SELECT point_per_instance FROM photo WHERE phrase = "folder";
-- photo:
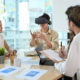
(52, 55)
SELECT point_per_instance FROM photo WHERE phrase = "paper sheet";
(31, 62)
(32, 74)
(52, 54)
(31, 52)
(23, 50)
(23, 59)
(9, 70)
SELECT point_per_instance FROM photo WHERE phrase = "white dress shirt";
(1, 41)
(72, 63)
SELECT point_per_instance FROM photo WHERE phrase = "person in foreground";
(3, 42)
(64, 55)
(72, 63)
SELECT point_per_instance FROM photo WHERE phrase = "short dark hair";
(47, 17)
(73, 14)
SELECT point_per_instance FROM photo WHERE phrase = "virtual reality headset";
(42, 21)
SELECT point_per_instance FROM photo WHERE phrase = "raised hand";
(34, 34)
(42, 36)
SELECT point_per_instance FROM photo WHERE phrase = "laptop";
(43, 60)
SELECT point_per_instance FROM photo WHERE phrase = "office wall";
(59, 17)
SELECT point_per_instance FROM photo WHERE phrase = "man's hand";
(63, 54)
(34, 34)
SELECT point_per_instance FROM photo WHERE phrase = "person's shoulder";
(77, 38)
(54, 32)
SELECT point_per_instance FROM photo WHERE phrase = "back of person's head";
(47, 17)
(73, 14)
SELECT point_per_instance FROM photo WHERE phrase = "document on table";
(51, 54)
(9, 70)
(31, 74)
(31, 62)
(31, 53)
(23, 59)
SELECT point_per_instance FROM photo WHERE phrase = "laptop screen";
(38, 49)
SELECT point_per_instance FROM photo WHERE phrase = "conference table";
(52, 74)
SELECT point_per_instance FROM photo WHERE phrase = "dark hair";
(47, 17)
(73, 14)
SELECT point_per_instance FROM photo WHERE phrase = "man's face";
(44, 25)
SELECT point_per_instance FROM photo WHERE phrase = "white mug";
(17, 62)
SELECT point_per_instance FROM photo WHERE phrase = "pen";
(61, 45)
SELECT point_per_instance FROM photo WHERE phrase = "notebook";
(52, 55)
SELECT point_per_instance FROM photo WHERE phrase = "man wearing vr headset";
(45, 37)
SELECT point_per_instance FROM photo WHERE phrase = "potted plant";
(2, 55)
